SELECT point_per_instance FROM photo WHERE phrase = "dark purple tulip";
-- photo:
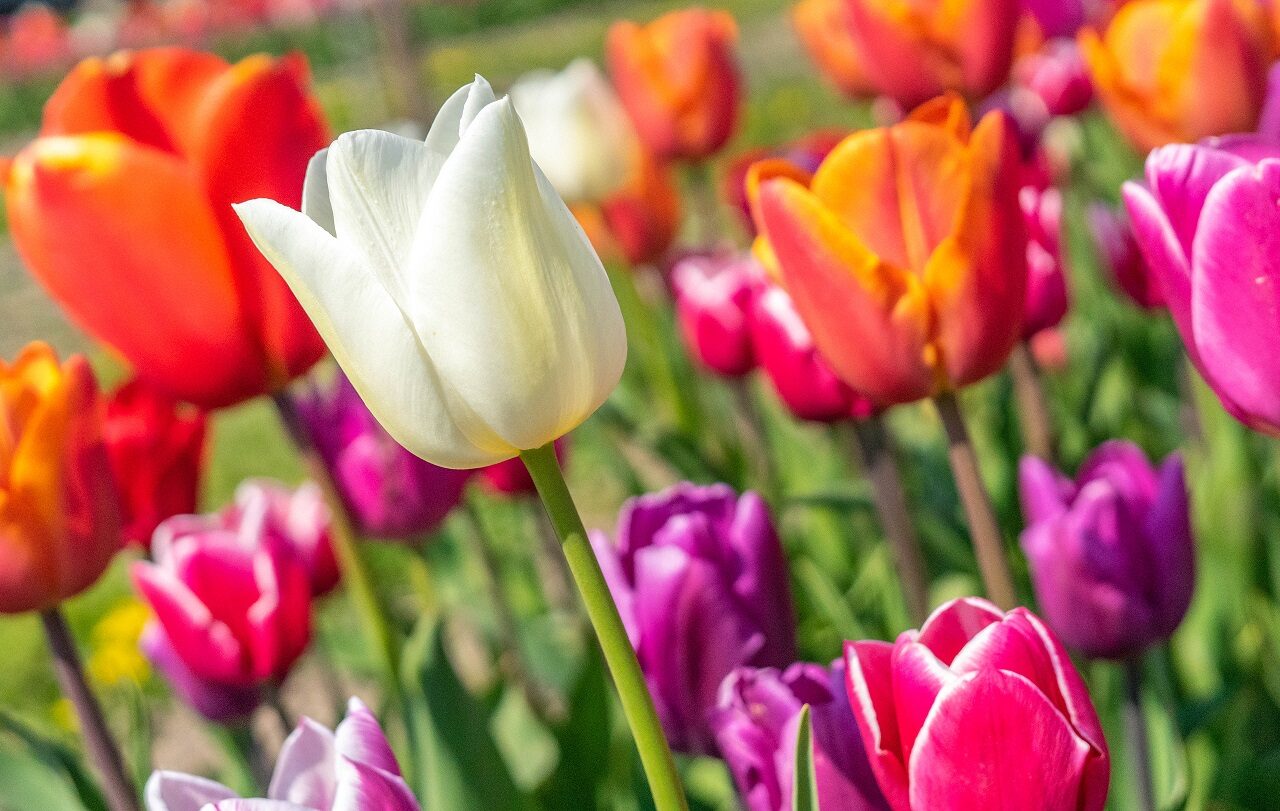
(701, 582)
(389, 492)
(756, 722)
(1111, 554)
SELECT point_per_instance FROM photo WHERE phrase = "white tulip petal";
(378, 184)
(315, 192)
(509, 299)
(366, 332)
(174, 791)
(458, 111)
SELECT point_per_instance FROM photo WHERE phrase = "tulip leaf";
(459, 765)
(805, 791)
(54, 756)
(583, 740)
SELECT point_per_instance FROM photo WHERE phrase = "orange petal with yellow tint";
(869, 319)
(106, 247)
(823, 26)
(948, 111)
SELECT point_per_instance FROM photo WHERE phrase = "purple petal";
(1172, 547)
(257, 805)
(216, 701)
(1045, 492)
(360, 739)
(174, 791)
(365, 788)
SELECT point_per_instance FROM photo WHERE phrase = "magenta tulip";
(784, 348)
(1057, 75)
(1208, 223)
(1058, 18)
(388, 492)
(1111, 554)
(1121, 258)
(756, 721)
(221, 703)
(1046, 281)
(349, 769)
(979, 710)
(700, 579)
(714, 294)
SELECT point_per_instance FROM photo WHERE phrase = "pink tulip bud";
(714, 295)
(1046, 282)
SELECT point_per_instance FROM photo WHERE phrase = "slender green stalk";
(637, 703)
(706, 199)
(1135, 726)
(1033, 406)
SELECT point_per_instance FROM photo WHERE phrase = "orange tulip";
(59, 519)
(644, 216)
(824, 28)
(913, 51)
(1172, 71)
(678, 79)
(905, 251)
(122, 210)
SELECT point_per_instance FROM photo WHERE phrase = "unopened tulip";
(678, 79)
(901, 247)
(1209, 227)
(235, 609)
(221, 703)
(1111, 554)
(700, 579)
(824, 28)
(1057, 75)
(1121, 257)
(978, 710)
(156, 448)
(349, 769)
(912, 52)
(714, 298)
(1046, 280)
(141, 156)
(1180, 70)
(756, 722)
(644, 217)
(579, 135)
(388, 492)
(59, 519)
(803, 380)
(267, 511)
(452, 284)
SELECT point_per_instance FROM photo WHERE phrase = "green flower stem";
(637, 704)
(1135, 725)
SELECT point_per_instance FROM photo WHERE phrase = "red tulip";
(139, 158)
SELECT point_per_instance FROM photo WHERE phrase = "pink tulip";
(221, 703)
(349, 769)
(1118, 251)
(1057, 75)
(1046, 282)
(978, 710)
(713, 304)
(1208, 223)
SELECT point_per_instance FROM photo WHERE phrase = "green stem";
(1136, 728)
(637, 704)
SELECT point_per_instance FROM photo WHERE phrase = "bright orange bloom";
(905, 251)
(122, 210)
(643, 217)
(913, 50)
(1172, 71)
(824, 28)
(678, 79)
(59, 520)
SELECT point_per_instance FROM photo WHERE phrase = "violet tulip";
(1111, 554)
(713, 306)
(389, 492)
(803, 380)
(1208, 224)
(1121, 258)
(979, 709)
(349, 769)
(700, 579)
(233, 598)
(756, 723)
(1046, 282)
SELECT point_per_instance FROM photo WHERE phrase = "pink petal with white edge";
(951, 625)
(869, 680)
(174, 791)
(305, 769)
(360, 739)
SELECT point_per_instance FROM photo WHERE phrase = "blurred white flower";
(579, 132)
(451, 283)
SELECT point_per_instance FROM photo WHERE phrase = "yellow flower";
(115, 657)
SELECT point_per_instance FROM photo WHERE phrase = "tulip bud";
(1121, 258)
(579, 135)
(156, 448)
(1046, 281)
(388, 492)
(59, 513)
(1209, 229)
(978, 698)
(700, 579)
(1111, 554)
(756, 725)
(454, 287)
(714, 296)
(349, 768)
(264, 511)
(1057, 75)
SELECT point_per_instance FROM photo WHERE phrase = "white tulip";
(579, 133)
(451, 283)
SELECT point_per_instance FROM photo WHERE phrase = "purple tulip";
(756, 722)
(1111, 554)
(349, 769)
(389, 492)
(1208, 224)
(1058, 18)
(1121, 258)
(701, 582)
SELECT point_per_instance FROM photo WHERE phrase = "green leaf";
(805, 797)
(56, 757)
(460, 767)
(583, 740)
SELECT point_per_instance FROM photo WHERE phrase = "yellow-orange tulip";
(59, 518)
(1171, 71)
(823, 26)
(905, 251)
